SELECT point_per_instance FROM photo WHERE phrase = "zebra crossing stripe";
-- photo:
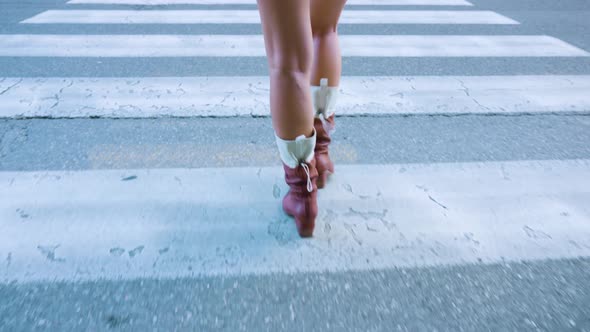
(253, 17)
(253, 2)
(253, 46)
(245, 96)
(227, 221)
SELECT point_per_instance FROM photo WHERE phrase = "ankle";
(324, 98)
(297, 151)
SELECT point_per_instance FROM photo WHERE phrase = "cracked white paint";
(253, 17)
(178, 222)
(253, 2)
(253, 46)
(245, 96)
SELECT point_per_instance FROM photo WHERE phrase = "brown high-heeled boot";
(323, 100)
(301, 175)
(324, 164)
(301, 200)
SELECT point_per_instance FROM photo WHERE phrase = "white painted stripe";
(178, 222)
(244, 96)
(253, 2)
(253, 17)
(253, 45)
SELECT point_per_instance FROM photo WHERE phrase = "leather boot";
(324, 99)
(301, 175)
(301, 200)
(324, 164)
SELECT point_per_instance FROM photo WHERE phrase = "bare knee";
(291, 65)
(324, 16)
(324, 30)
(290, 76)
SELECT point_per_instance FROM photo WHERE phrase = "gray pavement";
(540, 296)
(544, 295)
(79, 144)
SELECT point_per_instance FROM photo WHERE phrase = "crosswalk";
(250, 2)
(252, 17)
(374, 216)
(141, 222)
(253, 46)
(153, 97)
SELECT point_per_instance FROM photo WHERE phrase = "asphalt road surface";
(140, 184)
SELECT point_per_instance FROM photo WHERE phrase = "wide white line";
(181, 222)
(253, 17)
(253, 46)
(253, 2)
(244, 96)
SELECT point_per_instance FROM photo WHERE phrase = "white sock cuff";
(323, 98)
(292, 152)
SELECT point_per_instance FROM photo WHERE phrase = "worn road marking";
(253, 46)
(253, 17)
(245, 96)
(229, 220)
(253, 2)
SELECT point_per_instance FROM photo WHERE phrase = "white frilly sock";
(324, 100)
(296, 151)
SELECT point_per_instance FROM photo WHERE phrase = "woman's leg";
(325, 78)
(327, 61)
(289, 49)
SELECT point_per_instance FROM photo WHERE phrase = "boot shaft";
(302, 179)
(323, 133)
